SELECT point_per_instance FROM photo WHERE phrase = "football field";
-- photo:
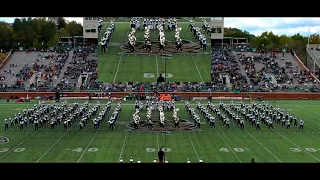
(119, 65)
(212, 145)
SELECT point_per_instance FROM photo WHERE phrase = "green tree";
(61, 23)
(74, 29)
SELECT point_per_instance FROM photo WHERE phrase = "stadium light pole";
(166, 57)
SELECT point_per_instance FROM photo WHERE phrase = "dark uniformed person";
(161, 155)
(6, 125)
(301, 124)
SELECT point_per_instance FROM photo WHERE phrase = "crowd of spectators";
(245, 72)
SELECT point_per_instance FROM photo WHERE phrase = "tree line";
(36, 32)
(270, 41)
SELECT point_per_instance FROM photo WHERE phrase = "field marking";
(115, 75)
(197, 68)
(124, 141)
(307, 109)
(298, 146)
(158, 141)
(193, 146)
(264, 147)
(93, 137)
(54, 143)
(51, 147)
(17, 145)
(314, 122)
(313, 135)
(228, 146)
(87, 146)
(158, 66)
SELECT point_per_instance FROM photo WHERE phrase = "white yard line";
(313, 135)
(228, 146)
(87, 146)
(197, 69)
(307, 109)
(158, 141)
(17, 145)
(54, 144)
(298, 146)
(84, 151)
(124, 142)
(193, 146)
(51, 147)
(115, 75)
(157, 66)
(125, 138)
(314, 122)
(264, 147)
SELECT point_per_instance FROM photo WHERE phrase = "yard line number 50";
(89, 150)
(152, 75)
(235, 149)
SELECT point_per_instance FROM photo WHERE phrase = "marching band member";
(131, 160)
(121, 160)
(139, 160)
(188, 160)
(204, 43)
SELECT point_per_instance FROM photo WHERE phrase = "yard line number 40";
(309, 149)
(4, 150)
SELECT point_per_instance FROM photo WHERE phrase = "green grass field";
(213, 145)
(117, 66)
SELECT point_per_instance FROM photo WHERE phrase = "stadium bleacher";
(234, 68)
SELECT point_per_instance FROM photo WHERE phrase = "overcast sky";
(256, 26)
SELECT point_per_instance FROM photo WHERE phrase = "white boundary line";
(228, 146)
(157, 66)
(124, 142)
(51, 147)
(298, 146)
(264, 147)
(197, 68)
(115, 75)
(193, 146)
(17, 145)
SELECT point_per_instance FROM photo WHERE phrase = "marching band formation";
(161, 37)
(107, 35)
(206, 27)
(132, 39)
(198, 35)
(152, 107)
(255, 115)
(55, 114)
(152, 24)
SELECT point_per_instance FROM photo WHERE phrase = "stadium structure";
(55, 110)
